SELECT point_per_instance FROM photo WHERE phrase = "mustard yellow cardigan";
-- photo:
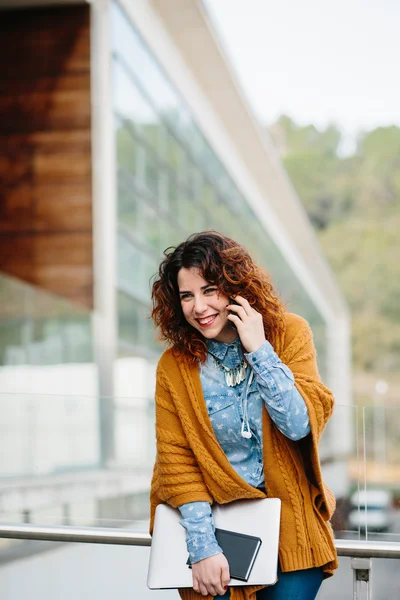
(190, 465)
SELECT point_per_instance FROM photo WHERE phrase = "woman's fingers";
(237, 311)
(219, 587)
(200, 587)
(203, 590)
(209, 575)
(225, 577)
(243, 308)
(207, 589)
(248, 322)
(245, 304)
(214, 590)
(196, 585)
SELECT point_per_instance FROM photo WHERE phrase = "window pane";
(129, 265)
(127, 43)
(133, 107)
(172, 194)
(135, 269)
(127, 210)
(126, 148)
(174, 155)
(149, 173)
(128, 319)
(148, 225)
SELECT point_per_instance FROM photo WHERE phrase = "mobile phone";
(232, 301)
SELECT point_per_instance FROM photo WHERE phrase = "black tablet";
(240, 550)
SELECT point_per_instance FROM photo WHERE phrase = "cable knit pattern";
(191, 466)
(292, 483)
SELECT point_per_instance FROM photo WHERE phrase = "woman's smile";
(207, 321)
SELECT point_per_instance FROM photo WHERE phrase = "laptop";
(168, 557)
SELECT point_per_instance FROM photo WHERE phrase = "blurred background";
(127, 125)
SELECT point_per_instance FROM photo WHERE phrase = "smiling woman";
(221, 269)
(242, 370)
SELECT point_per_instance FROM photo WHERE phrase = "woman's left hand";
(248, 322)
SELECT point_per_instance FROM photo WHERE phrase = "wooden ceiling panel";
(45, 149)
(63, 208)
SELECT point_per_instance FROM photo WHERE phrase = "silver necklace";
(232, 376)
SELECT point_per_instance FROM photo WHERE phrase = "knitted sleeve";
(300, 356)
(177, 478)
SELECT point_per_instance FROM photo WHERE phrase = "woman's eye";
(210, 290)
(185, 297)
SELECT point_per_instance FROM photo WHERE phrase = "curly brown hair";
(227, 265)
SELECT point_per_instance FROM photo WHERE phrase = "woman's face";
(203, 307)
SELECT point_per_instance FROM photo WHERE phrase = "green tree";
(353, 203)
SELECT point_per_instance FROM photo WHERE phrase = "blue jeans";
(294, 585)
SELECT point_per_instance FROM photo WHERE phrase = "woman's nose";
(199, 305)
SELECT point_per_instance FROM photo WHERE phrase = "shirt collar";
(219, 349)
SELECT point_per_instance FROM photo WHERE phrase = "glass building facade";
(171, 183)
(38, 328)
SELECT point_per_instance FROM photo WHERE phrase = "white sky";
(314, 60)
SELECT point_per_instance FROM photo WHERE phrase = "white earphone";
(245, 431)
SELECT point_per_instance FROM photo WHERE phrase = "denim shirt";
(272, 384)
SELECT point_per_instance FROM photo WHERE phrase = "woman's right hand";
(211, 575)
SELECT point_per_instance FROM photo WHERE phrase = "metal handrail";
(127, 537)
(367, 549)
(88, 535)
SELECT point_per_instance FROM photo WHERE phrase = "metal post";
(362, 569)
(104, 207)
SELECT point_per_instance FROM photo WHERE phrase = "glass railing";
(51, 468)
(54, 435)
(363, 469)
(51, 474)
(50, 437)
(358, 452)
